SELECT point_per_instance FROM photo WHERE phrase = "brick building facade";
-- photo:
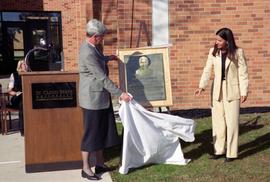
(192, 27)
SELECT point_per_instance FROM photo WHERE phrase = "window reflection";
(24, 16)
(21, 32)
(39, 40)
(17, 38)
(11, 16)
(15, 42)
(18, 44)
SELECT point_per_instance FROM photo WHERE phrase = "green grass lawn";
(253, 163)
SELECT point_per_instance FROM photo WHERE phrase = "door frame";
(9, 65)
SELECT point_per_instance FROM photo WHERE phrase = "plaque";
(54, 95)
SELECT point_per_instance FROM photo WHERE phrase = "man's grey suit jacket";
(94, 85)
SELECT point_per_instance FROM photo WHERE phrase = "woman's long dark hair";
(227, 35)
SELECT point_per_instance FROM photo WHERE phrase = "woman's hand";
(11, 92)
(125, 97)
(243, 99)
(198, 91)
(18, 93)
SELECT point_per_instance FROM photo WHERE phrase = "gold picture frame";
(145, 73)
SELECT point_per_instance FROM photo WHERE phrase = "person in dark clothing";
(15, 90)
(95, 88)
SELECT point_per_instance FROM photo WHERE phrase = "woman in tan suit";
(230, 87)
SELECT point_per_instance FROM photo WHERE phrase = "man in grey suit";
(95, 100)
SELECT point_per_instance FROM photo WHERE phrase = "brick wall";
(118, 17)
(74, 19)
(192, 32)
(193, 24)
(109, 17)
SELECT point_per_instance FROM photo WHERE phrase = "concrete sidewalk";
(12, 165)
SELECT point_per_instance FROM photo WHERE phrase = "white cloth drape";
(152, 137)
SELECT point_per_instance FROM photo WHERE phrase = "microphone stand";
(26, 61)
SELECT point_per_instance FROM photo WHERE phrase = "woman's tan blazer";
(236, 75)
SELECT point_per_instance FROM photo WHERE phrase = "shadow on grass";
(259, 144)
(201, 113)
(205, 146)
(132, 170)
(250, 125)
(192, 113)
(112, 152)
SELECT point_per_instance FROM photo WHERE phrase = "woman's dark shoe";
(214, 156)
(93, 177)
(102, 169)
(227, 159)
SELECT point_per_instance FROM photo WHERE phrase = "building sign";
(54, 95)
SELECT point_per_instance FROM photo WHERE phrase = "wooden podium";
(52, 121)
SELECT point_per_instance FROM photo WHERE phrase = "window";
(21, 32)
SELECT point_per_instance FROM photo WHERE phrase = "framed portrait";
(145, 73)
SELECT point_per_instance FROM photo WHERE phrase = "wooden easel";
(143, 28)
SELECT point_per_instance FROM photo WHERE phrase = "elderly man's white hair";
(95, 27)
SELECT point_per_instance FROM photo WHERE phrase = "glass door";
(13, 47)
(37, 45)
(35, 36)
